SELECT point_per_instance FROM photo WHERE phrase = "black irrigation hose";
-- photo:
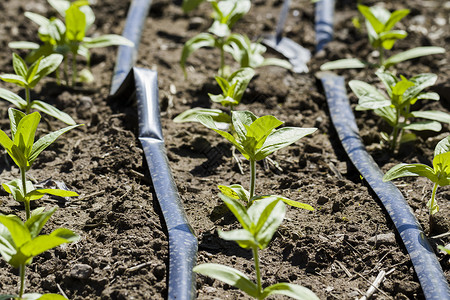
(426, 265)
(142, 85)
(324, 12)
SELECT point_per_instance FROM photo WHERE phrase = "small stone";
(81, 271)
(383, 238)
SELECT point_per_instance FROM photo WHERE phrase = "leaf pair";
(379, 24)
(226, 14)
(259, 223)
(237, 192)
(439, 174)
(22, 148)
(20, 242)
(14, 188)
(256, 138)
(249, 54)
(402, 94)
(29, 77)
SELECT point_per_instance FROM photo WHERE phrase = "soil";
(123, 250)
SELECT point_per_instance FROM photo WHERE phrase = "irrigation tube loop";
(142, 85)
(426, 265)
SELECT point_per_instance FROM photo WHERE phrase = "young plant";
(439, 174)
(226, 13)
(20, 242)
(379, 23)
(259, 224)
(233, 89)
(69, 37)
(256, 138)
(28, 78)
(396, 108)
(23, 150)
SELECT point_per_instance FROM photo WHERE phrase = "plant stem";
(258, 272)
(24, 189)
(74, 69)
(22, 280)
(222, 60)
(27, 97)
(252, 178)
(395, 131)
(430, 209)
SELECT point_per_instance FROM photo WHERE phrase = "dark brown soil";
(123, 245)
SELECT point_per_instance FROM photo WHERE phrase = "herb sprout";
(379, 23)
(23, 150)
(396, 109)
(439, 174)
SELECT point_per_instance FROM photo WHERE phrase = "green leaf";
(429, 96)
(241, 120)
(238, 211)
(16, 79)
(434, 115)
(43, 243)
(20, 67)
(52, 297)
(425, 125)
(209, 123)
(235, 191)
(52, 111)
(366, 11)
(199, 41)
(25, 133)
(369, 96)
(421, 82)
(404, 170)
(47, 65)
(412, 53)
(395, 17)
(281, 138)
(60, 6)
(443, 146)
(46, 141)
(13, 98)
(14, 119)
(388, 114)
(19, 233)
(39, 193)
(240, 79)
(272, 61)
(230, 276)
(190, 115)
(241, 236)
(7, 247)
(37, 221)
(262, 127)
(389, 38)
(23, 45)
(290, 290)
(7, 297)
(441, 164)
(36, 18)
(296, 203)
(75, 24)
(106, 41)
(348, 63)
(444, 249)
(268, 214)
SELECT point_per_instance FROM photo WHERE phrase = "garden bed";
(123, 247)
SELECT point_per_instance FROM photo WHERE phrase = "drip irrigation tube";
(426, 265)
(324, 13)
(142, 85)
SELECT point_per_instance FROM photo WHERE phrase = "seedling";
(28, 78)
(69, 37)
(396, 108)
(233, 89)
(259, 224)
(226, 13)
(256, 138)
(23, 150)
(379, 23)
(439, 174)
(20, 242)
